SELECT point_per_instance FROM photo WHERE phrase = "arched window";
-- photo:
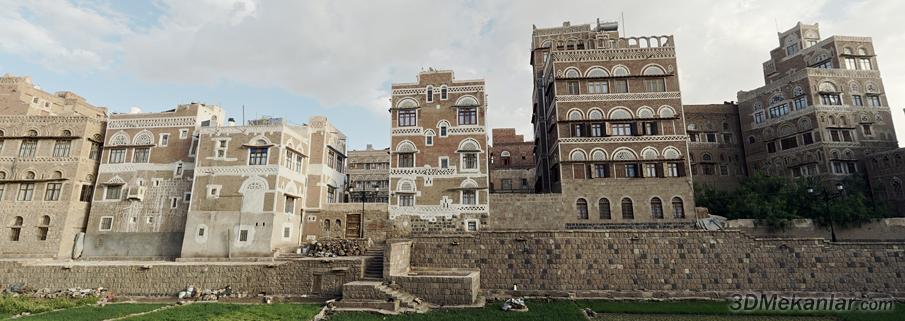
(43, 228)
(678, 207)
(595, 114)
(656, 208)
(751, 140)
(575, 115)
(67, 133)
(32, 132)
(444, 92)
(327, 225)
(582, 206)
(430, 94)
(572, 73)
(653, 71)
(505, 157)
(597, 72)
(16, 229)
(706, 157)
(620, 71)
(604, 205)
(628, 209)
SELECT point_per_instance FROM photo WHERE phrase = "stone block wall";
(888, 229)
(441, 287)
(678, 263)
(315, 277)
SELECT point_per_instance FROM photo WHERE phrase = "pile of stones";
(46, 293)
(337, 247)
(192, 293)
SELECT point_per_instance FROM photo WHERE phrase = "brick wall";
(665, 263)
(318, 277)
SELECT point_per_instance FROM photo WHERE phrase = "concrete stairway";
(375, 296)
(374, 264)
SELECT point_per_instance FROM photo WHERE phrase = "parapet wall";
(888, 229)
(675, 263)
(313, 277)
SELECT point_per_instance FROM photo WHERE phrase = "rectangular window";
(600, 170)
(164, 140)
(573, 88)
(865, 64)
(331, 194)
(710, 137)
(578, 130)
(620, 86)
(243, 235)
(141, 155)
(470, 161)
(724, 170)
(183, 133)
(95, 153)
(873, 101)
(506, 184)
(117, 156)
(407, 200)
(444, 162)
(289, 207)
(650, 128)
(407, 160)
(407, 118)
(867, 130)
(850, 63)
(468, 116)
(672, 169)
(771, 147)
(598, 87)
(708, 169)
(597, 130)
(655, 85)
(86, 193)
(856, 100)
(524, 183)
(801, 103)
(847, 136)
(759, 117)
(429, 140)
(792, 49)
(61, 148)
(778, 111)
(808, 138)
(789, 143)
(52, 192)
(650, 170)
(28, 148)
(106, 223)
(834, 136)
(257, 156)
(469, 197)
(622, 129)
(727, 139)
(26, 192)
(826, 64)
(174, 203)
(631, 170)
(471, 226)
(830, 99)
(113, 192)
(287, 232)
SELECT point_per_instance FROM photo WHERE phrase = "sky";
(295, 59)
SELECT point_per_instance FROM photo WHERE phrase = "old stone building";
(715, 149)
(369, 175)
(609, 125)
(438, 165)
(511, 162)
(249, 188)
(326, 177)
(144, 182)
(823, 107)
(49, 152)
(886, 174)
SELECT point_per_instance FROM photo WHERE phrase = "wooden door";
(353, 225)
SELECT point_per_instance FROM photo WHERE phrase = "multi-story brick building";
(609, 124)
(438, 165)
(144, 182)
(327, 161)
(823, 107)
(886, 174)
(715, 149)
(249, 187)
(511, 162)
(49, 152)
(369, 175)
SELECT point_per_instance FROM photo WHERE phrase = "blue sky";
(296, 59)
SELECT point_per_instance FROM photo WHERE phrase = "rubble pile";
(337, 247)
(46, 293)
(515, 304)
(193, 293)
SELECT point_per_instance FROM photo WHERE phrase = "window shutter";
(660, 170)
(681, 167)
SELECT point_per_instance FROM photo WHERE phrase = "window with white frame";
(174, 202)
(28, 148)
(106, 223)
(469, 197)
(444, 162)
(471, 225)
(183, 133)
(444, 93)
(117, 156)
(141, 155)
(257, 156)
(213, 191)
(407, 200)
(61, 148)
(52, 191)
(289, 206)
(26, 192)
(186, 197)
(164, 140)
(243, 235)
(469, 161)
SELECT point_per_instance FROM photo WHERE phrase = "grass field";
(233, 312)
(93, 313)
(10, 305)
(538, 311)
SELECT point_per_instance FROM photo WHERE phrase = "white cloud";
(345, 53)
(135, 110)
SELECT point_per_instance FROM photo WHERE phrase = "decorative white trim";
(623, 139)
(619, 97)
(188, 121)
(452, 90)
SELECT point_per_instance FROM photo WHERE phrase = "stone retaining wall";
(441, 287)
(677, 263)
(316, 277)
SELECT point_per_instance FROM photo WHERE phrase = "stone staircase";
(374, 264)
(378, 297)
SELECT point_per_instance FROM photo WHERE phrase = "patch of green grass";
(233, 312)
(896, 315)
(4, 315)
(93, 313)
(537, 311)
(722, 308)
(15, 305)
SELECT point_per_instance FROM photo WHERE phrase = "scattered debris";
(590, 313)
(515, 304)
(46, 293)
(337, 247)
(267, 299)
(192, 293)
